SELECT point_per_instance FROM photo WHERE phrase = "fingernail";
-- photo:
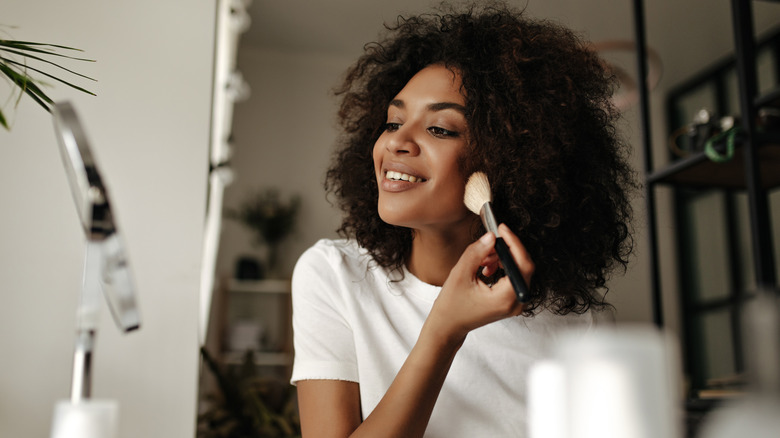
(485, 239)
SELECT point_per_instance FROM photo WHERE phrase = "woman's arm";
(332, 408)
(328, 408)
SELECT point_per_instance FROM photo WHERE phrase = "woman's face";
(416, 157)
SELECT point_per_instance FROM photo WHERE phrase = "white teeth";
(403, 176)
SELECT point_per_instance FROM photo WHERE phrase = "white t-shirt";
(353, 322)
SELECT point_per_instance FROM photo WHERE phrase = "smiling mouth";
(398, 176)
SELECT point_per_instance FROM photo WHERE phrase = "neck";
(435, 253)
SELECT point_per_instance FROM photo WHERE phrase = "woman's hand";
(465, 302)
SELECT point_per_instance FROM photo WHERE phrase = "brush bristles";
(477, 192)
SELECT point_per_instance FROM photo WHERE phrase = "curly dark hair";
(541, 125)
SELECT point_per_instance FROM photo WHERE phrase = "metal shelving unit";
(753, 170)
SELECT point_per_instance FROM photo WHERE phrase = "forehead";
(435, 83)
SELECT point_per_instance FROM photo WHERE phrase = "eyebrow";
(438, 106)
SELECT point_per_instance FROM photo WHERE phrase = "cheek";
(454, 193)
(452, 187)
(456, 182)
(377, 156)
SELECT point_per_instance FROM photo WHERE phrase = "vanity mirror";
(106, 272)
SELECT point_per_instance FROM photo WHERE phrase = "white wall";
(283, 135)
(149, 131)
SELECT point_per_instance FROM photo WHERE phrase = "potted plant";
(247, 405)
(271, 220)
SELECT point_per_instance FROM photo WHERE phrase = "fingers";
(490, 264)
(519, 252)
(524, 263)
(465, 302)
(477, 253)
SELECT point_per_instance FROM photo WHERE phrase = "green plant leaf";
(52, 76)
(17, 70)
(267, 215)
(30, 45)
(250, 406)
(38, 58)
(26, 84)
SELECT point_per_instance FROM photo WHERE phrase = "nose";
(402, 142)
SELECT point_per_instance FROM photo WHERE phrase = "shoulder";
(335, 248)
(592, 318)
(331, 260)
(333, 252)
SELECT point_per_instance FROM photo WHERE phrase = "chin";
(392, 219)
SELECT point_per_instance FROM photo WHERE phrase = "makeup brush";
(477, 199)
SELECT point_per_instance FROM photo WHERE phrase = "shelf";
(260, 286)
(770, 99)
(263, 305)
(696, 170)
(262, 358)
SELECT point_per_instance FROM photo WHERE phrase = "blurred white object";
(237, 88)
(86, 419)
(219, 178)
(546, 400)
(245, 335)
(229, 86)
(757, 415)
(753, 417)
(617, 382)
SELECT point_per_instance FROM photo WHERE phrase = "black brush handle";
(512, 271)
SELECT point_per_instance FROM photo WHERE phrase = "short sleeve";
(323, 337)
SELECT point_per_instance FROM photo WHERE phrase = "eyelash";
(441, 132)
(436, 131)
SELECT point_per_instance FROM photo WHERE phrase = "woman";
(406, 327)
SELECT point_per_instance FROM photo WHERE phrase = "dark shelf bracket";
(649, 192)
(747, 78)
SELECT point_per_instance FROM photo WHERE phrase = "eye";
(437, 131)
(392, 127)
